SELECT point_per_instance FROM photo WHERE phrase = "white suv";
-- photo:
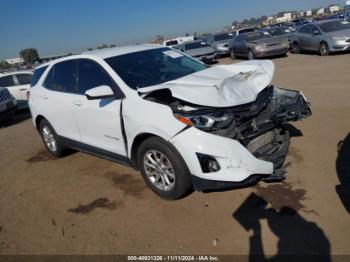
(182, 124)
(18, 84)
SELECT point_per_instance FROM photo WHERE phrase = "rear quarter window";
(24, 79)
(37, 75)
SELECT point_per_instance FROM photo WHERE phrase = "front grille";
(4, 95)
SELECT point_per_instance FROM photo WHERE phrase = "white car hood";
(222, 85)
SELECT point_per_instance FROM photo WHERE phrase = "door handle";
(77, 103)
(44, 96)
(23, 89)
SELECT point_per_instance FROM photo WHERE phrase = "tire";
(324, 49)
(251, 55)
(295, 48)
(232, 54)
(160, 156)
(51, 139)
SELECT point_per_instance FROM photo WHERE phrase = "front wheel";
(251, 55)
(295, 48)
(324, 49)
(163, 169)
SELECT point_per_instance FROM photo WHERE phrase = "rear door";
(57, 97)
(99, 120)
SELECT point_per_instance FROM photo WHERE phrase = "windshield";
(257, 36)
(195, 45)
(221, 37)
(153, 67)
(333, 26)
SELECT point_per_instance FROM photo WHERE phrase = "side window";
(62, 77)
(7, 81)
(37, 75)
(304, 29)
(313, 29)
(49, 79)
(24, 79)
(91, 74)
(65, 76)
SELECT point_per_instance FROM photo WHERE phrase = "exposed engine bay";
(259, 126)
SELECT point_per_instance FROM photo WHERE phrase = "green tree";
(29, 55)
(4, 65)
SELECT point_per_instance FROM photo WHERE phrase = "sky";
(56, 26)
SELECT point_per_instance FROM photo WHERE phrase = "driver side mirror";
(316, 32)
(100, 92)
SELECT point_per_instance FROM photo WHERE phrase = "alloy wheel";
(159, 170)
(323, 49)
(49, 138)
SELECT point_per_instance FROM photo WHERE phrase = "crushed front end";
(258, 126)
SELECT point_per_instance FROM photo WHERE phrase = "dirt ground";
(81, 204)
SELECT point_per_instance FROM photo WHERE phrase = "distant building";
(15, 61)
(309, 13)
(347, 7)
(320, 11)
(284, 17)
(333, 9)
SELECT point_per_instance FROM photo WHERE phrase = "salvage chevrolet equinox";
(182, 124)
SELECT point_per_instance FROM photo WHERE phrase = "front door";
(98, 120)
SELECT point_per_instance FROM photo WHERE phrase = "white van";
(178, 41)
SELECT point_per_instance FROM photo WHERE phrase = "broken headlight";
(208, 122)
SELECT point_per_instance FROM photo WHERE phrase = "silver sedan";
(325, 37)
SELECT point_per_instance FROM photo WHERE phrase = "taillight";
(28, 94)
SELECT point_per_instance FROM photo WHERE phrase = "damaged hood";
(222, 85)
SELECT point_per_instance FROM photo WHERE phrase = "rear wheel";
(50, 139)
(232, 54)
(324, 49)
(163, 169)
(295, 48)
(251, 55)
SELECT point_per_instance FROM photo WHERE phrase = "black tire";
(251, 55)
(324, 49)
(295, 48)
(59, 148)
(182, 183)
(232, 54)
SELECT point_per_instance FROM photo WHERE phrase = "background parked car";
(245, 30)
(220, 41)
(178, 40)
(8, 104)
(200, 50)
(281, 32)
(258, 44)
(323, 36)
(18, 84)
